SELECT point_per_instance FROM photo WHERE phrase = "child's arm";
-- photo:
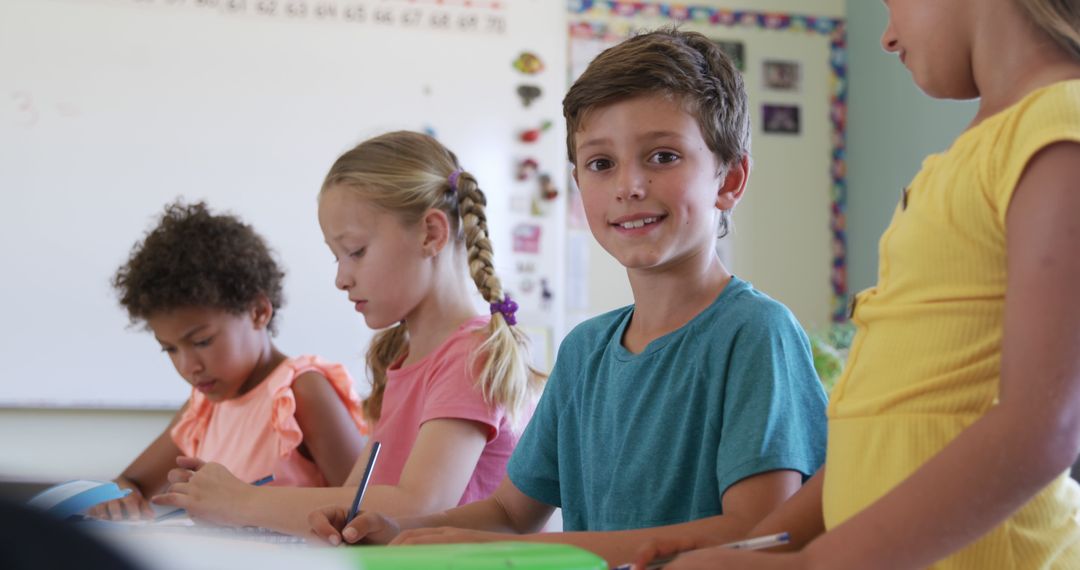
(439, 466)
(507, 511)
(145, 476)
(1032, 436)
(745, 504)
(800, 517)
(330, 435)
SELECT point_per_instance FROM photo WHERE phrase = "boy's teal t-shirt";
(622, 441)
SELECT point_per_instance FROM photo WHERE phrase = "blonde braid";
(471, 203)
(506, 377)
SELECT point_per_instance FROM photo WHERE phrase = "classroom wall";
(96, 139)
(39, 444)
(52, 445)
(310, 79)
(892, 126)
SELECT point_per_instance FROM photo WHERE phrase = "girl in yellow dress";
(954, 426)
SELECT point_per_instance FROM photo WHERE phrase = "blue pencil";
(268, 479)
(172, 514)
(363, 482)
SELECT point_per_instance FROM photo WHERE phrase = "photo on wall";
(781, 75)
(780, 119)
(735, 50)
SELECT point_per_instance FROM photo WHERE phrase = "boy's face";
(214, 350)
(649, 183)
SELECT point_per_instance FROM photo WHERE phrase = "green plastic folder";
(483, 556)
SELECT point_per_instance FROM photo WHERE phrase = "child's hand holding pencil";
(336, 525)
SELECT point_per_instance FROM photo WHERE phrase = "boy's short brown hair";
(686, 65)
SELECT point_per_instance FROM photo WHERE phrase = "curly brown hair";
(193, 258)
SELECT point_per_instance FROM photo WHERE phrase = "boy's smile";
(635, 222)
(650, 185)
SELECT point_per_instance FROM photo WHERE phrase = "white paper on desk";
(182, 551)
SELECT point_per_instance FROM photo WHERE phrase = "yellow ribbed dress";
(926, 360)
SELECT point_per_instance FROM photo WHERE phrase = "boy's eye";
(598, 164)
(358, 253)
(663, 157)
(204, 343)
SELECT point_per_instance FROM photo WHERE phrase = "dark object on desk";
(21, 491)
(35, 540)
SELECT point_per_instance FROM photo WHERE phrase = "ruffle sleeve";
(283, 399)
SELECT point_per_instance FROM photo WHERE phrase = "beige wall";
(58, 445)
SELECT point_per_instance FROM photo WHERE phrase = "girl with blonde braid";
(450, 388)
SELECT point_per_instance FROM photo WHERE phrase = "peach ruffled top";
(257, 434)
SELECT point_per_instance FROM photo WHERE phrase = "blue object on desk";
(74, 497)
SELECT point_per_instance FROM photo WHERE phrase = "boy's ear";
(435, 227)
(733, 185)
(573, 173)
(261, 311)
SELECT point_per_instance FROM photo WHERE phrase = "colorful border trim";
(833, 28)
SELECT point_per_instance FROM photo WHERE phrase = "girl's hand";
(450, 535)
(133, 506)
(328, 523)
(207, 491)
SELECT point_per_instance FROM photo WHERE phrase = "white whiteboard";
(111, 108)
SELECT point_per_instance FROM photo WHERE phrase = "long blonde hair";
(408, 174)
(1059, 19)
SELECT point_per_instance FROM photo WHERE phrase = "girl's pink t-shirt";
(441, 386)
(257, 434)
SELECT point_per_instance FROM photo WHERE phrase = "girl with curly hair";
(209, 289)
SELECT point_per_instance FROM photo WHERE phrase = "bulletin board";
(789, 235)
(109, 109)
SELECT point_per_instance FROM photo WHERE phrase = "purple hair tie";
(507, 307)
(453, 178)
